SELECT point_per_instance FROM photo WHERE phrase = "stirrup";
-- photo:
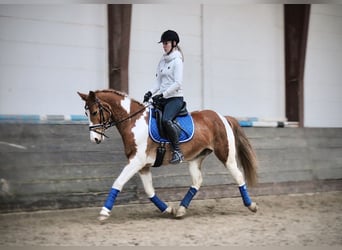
(177, 157)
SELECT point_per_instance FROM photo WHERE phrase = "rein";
(107, 124)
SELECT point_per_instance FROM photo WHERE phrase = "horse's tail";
(245, 152)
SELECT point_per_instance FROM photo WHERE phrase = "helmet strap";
(172, 47)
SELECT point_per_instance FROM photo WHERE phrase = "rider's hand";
(147, 96)
(157, 98)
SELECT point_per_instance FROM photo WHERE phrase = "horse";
(215, 133)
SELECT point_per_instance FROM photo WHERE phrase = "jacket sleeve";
(178, 79)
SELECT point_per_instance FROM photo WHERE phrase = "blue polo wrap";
(188, 197)
(244, 194)
(111, 198)
(159, 203)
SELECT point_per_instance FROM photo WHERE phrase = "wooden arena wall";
(48, 166)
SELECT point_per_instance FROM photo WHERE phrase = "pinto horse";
(213, 133)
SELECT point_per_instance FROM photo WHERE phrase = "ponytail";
(180, 50)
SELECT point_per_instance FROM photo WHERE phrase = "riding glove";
(147, 96)
(157, 98)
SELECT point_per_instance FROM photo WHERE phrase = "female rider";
(167, 91)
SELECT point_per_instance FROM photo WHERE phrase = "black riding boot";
(173, 134)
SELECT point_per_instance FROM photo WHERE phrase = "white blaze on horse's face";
(94, 137)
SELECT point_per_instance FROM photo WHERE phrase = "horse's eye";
(94, 113)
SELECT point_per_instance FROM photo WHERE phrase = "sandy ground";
(286, 220)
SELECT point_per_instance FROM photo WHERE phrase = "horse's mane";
(120, 93)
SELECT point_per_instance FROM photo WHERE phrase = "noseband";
(110, 123)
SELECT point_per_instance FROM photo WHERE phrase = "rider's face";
(167, 46)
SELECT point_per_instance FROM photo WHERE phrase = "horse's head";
(99, 114)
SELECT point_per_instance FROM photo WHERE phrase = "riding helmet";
(169, 35)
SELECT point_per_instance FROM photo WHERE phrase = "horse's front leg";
(126, 174)
(146, 178)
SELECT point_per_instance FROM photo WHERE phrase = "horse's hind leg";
(239, 179)
(146, 178)
(231, 165)
(196, 175)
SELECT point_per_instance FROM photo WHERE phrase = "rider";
(167, 91)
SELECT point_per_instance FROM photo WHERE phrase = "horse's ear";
(91, 95)
(83, 96)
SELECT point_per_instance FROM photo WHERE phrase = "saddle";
(184, 123)
(158, 113)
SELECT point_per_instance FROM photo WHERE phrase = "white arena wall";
(48, 53)
(234, 57)
(323, 74)
(148, 23)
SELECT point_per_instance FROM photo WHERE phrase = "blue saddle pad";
(186, 123)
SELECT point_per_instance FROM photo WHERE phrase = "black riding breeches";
(172, 106)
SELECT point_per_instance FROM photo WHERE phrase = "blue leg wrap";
(111, 198)
(188, 197)
(159, 203)
(244, 194)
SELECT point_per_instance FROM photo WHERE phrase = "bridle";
(104, 125)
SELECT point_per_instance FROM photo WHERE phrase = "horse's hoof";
(173, 211)
(181, 211)
(253, 207)
(102, 218)
(169, 210)
(104, 214)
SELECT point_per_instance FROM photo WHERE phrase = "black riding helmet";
(169, 35)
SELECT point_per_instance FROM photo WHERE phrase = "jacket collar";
(173, 55)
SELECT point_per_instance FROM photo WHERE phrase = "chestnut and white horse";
(213, 133)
